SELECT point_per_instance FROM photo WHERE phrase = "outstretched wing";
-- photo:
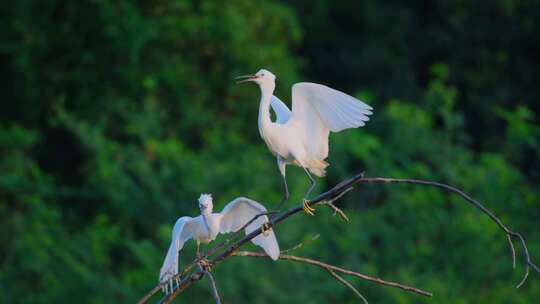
(183, 230)
(337, 110)
(238, 213)
(282, 111)
(320, 109)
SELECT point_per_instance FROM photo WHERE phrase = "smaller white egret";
(300, 136)
(205, 228)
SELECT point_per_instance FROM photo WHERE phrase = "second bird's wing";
(238, 213)
(282, 111)
(184, 229)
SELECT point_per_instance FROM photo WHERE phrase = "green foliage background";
(116, 115)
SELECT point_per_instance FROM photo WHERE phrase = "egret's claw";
(205, 265)
(307, 208)
(265, 228)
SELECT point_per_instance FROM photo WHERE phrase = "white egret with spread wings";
(205, 228)
(300, 136)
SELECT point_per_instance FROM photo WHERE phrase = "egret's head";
(205, 202)
(264, 78)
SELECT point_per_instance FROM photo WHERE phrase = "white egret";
(300, 137)
(205, 227)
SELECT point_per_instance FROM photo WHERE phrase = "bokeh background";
(116, 114)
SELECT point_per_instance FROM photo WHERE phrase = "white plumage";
(300, 136)
(205, 228)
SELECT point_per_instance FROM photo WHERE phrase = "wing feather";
(337, 110)
(238, 213)
(282, 111)
(320, 109)
(184, 229)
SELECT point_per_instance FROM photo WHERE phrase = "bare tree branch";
(149, 294)
(346, 283)
(184, 283)
(333, 268)
(299, 245)
(330, 203)
(332, 195)
(213, 286)
(512, 251)
(509, 233)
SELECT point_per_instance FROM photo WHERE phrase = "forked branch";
(335, 269)
(213, 286)
(331, 196)
(509, 233)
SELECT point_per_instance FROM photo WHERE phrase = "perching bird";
(205, 227)
(300, 137)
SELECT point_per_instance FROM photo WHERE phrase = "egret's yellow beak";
(246, 78)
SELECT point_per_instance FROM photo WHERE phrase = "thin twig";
(333, 199)
(346, 283)
(213, 286)
(336, 210)
(336, 269)
(315, 237)
(512, 251)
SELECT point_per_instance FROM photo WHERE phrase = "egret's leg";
(202, 261)
(307, 208)
(281, 165)
(285, 195)
(312, 181)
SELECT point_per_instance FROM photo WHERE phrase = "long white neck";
(206, 220)
(267, 90)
